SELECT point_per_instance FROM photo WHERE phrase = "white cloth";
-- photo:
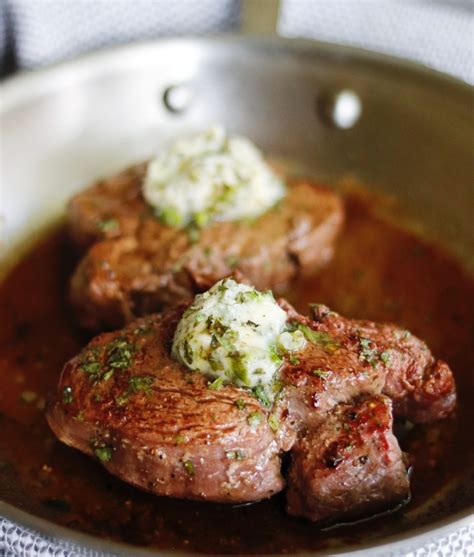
(16, 541)
(437, 33)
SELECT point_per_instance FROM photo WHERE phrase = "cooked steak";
(348, 466)
(168, 430)
(356, 356)
(161, 427)
(142, 265)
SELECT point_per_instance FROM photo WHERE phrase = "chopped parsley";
(180, 439)
(67, 395)
(254, 419)
(90, 363)
(321, 373)
(141, 383)
(235, 455)
(294, 361)
(102, 451)
(241, 404)
(120, 354)
(273, 422)
(386, 357)
(170, 217)
(261, 395)
(321, 338)
(367, 352)
(144, 329)
(136, 384)
(108, 225)
(217, 384)
(189, 468)
(248, 296)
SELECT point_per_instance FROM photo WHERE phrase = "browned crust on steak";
(373, 358)
(152, 265)
(349, 465)
(179, 438)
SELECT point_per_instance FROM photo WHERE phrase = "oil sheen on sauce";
(380, 271)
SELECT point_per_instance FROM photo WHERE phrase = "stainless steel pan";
(63, 127)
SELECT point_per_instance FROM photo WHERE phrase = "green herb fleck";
(144, 329)
(217, 384)
(294, 361)
(321, 373)
(142, 383)
(136, 384)
(107, 375)
(189, 468)
(170, 217)
(254, 418)
(90, 363)
(108, 225)
(180, 439)
(386, 357)
(321, 338)
(247, 296)
(240, 403)
(235, 455)
(367, 352)
(260, 394)
(120, 354)
(122, 399)
(102, 452)
(201, 219)
(67, 395)
(79, 418)
(273, 422)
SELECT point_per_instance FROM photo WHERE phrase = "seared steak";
(161, 427)
(349, 465)
(136, 265)
(170, 431)
(350, 357)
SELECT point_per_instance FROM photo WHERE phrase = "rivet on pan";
(177, 98)
(341, 109)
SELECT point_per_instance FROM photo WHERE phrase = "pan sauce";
(380, 271)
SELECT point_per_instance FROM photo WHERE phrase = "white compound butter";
(235, 332)
(211, 176)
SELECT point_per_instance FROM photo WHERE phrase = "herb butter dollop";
(235, 332)
(211, 176)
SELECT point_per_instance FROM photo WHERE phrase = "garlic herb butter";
(211, 176)
(236, 333)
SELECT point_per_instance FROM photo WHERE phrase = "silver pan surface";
(65, 126)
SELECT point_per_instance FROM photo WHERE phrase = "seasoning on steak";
(166, 429)
(161, 427)
(349, 466)
(143, 265)
(349, 357)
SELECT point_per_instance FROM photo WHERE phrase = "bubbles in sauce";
(379, 272)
